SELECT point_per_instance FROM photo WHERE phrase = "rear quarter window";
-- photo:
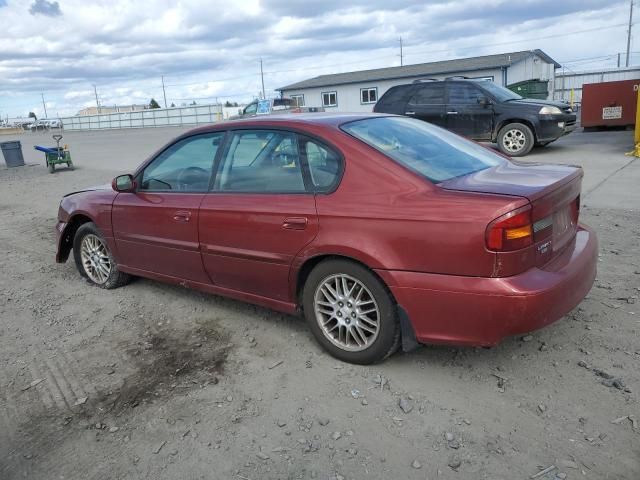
(394, 99)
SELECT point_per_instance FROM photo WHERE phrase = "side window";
(324, 164)
(250, 109)
(184, 166)
(429, 94)
(329, 99)
(261, 161)
(298, 100)
(464, 94)
(368, 95)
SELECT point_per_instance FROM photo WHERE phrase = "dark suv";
(481, 110)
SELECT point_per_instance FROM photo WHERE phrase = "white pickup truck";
(272, 106)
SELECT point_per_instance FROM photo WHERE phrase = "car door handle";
(452, 112)
(409, 113)
(295, 223)
(182, 216)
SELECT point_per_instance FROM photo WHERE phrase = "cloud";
(44, 7)
(208, 48)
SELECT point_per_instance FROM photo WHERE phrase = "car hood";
(533, 102)
(106, 186)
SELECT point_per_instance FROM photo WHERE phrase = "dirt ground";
(158, 382)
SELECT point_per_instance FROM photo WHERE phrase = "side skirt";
(278, 305)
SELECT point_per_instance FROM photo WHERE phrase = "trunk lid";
(553, 192)
(530, 180)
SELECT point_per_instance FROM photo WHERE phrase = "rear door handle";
(182, 216)
(452, 112)
(295, 223)
(409, 113)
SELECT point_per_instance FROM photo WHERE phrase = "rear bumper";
(482, 311)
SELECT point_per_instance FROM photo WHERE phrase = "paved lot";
(158, 382)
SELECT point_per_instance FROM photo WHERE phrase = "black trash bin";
(12, 152)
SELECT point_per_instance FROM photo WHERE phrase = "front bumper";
(482, 311)
(549, 127)
(60, 227)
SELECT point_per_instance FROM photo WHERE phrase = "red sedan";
(385, 231)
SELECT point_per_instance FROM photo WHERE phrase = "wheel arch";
(68, 234)
(310, 263)
(506, 121)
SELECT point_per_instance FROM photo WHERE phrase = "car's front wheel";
(515, 139)
(350, 312)
(94, 260)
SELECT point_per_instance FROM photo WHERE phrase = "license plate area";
(564, 227)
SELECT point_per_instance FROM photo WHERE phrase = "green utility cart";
(56, 155)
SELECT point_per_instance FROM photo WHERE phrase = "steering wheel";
(190, 175)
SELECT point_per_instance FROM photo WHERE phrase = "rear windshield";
(426, 149)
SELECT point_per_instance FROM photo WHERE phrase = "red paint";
(426, 241)
(597, 96)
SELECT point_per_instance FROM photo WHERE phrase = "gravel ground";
(159, 382)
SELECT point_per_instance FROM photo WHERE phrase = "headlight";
(550, 111)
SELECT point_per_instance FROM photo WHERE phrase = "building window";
(298, 100)
(329, 99)
(369, 95)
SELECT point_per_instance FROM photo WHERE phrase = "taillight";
(511, 231)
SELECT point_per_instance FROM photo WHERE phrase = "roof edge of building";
(328, 82)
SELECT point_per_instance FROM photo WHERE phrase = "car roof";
(291, 120)
(430, 81)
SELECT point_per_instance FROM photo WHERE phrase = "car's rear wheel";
(93, 259)
(515, 139)
(350, 312)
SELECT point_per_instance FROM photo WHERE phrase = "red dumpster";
(609, 104)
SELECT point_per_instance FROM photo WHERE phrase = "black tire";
(515, 135)
(115, 278)
(388, 337)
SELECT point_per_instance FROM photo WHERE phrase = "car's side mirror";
(124, 183)
(484, 101)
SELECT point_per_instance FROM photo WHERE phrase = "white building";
(359, 91)
(572, 81)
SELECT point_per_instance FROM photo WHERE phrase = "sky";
(210, 50)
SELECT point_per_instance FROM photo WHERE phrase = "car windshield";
(499, 93)
(426, 149)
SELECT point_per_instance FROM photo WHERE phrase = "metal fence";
(157, 117)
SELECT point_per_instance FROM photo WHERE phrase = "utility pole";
(401, 57)
(164, 94)
(44, 105)
(262, 78)
(629, 31)
(618, 59)
(95, 90)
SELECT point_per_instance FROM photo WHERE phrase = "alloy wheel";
(514, 140)
(346, 312)
(95, 259)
